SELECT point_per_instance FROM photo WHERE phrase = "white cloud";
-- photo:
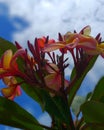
(50, 17)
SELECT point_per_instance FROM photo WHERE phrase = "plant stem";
(71, 123)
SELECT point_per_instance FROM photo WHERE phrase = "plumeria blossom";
(82, 40)
(41, 67)
(6, 72)
(9, 71)
(71, 40)
(53, 79)
(6, 64)
(5, 61)
(12, 89)
(99, 50)
(44, 40)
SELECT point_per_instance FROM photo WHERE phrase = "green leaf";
(73, 73)
(93, 112)
(5, 45)
(57, 107)
(88, 96)
(78, 100)
(98, 93)
(78, 80)
(12, 114)
(92, 127)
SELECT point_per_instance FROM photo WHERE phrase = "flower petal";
(13, 89)
(87, 42)
(101, 47)
(53, 47)
(8, 91)
(11, 92)
(41, 42)
(2, 71)
(6, 59)
(86, 30)
(53, 81)
(52, 68)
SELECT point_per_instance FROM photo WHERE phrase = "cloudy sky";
(24, 20)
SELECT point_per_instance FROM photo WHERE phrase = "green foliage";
(92, 127)
(93, 113)
(98, 93)
(79, 80)
(93, 109)
(5, 45)
(57, 108)
(13, 115)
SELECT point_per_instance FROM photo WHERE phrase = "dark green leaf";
(57, 107)
(92, 126)
(78, 81)
(13, 115)
(5, 45)
(93, 112)
(73, 73)
(88, 96)
(98, 93)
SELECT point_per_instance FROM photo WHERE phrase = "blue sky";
(24, 20)
(7, 23)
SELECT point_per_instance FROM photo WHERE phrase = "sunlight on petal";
(8, 92)
(53, 47)
(86, 30)
(7, 59)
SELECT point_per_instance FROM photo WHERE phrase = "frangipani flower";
(6, 63)
(53, 79)
(6, 73)
(72, 40)
(12, 89)
(99, 50)
(42, 41)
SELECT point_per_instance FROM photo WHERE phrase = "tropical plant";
(40, 72)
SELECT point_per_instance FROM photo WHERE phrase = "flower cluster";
(39, 71)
